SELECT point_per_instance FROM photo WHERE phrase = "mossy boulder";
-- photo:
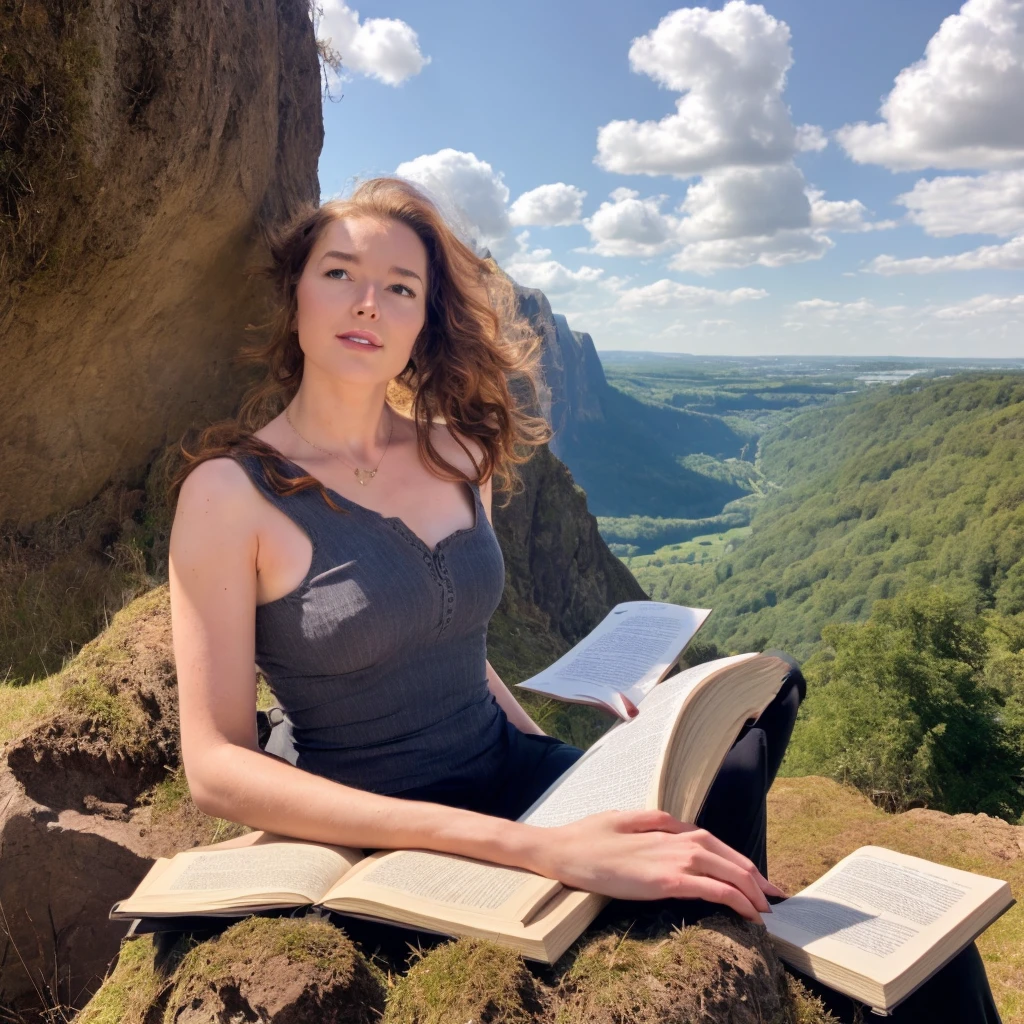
(112, 731)
(284, 971)
(280, 970)
(86, 802)
(261, 969)
(464, 981)
(721, 970)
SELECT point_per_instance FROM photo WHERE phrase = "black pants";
(735, 811)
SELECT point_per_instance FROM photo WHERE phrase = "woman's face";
(362, 299)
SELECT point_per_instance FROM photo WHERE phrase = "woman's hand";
(646, 855)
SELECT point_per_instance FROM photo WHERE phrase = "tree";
(899, 706)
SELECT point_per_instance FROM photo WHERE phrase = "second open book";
(664, 758)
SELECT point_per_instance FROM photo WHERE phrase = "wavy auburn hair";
(473, 365)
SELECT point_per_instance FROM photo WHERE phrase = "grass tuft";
(467, 980)
(617, 978)
(129, 992)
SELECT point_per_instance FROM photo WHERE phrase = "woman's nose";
(366, 305)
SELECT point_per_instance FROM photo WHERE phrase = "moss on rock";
(721, 970)
(281, 970)
(131, 993)
(113, 726)
(46, 61)
(469, 982)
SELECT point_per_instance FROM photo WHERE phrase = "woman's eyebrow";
(341, 256)
(352, 258)
(402, 272)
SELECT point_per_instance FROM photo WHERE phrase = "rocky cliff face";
(144, 146)
(624, 453)
(574, 381)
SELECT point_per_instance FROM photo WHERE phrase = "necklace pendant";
(362, 475)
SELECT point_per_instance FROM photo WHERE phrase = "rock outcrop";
(144, 146)
(289, 971)
(72, 833)
(574, 380)
(554, 556)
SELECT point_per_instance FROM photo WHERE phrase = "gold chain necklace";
(362, 475)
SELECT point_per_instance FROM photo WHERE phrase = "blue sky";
(791, 177)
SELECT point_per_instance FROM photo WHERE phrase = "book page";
(886, 907)
(304, 869)
(629, 651)
(481, 888)
(622, 770)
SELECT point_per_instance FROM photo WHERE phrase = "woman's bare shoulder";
(217, 486)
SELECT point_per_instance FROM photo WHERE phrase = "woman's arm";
(213, 580)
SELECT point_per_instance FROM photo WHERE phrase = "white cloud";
(842, 215)
(550, 276)
(549, 205)
(731, 128)
(383, 48)
(958, 107)
(988, 204)
(466, 189)
(829, 311)
(776, 250)
(631, 226)
(738, 217)
(666, 294)
(731, 67)
(983, 305)
(1008, 256)
(810, 139)
(745, 201)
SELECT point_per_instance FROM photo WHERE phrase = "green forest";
(885, 547)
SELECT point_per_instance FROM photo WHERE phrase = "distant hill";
(922, 483)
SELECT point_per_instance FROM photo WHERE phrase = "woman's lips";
(360, 339)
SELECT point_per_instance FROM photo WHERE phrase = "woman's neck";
(351, 421)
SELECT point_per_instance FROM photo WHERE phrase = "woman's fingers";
(649, 821)
(715, 891)
(715, 845)
(713, 866)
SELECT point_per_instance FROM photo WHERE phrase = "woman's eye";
(336, 270)
(405, 290)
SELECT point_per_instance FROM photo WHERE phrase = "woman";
(345, 546)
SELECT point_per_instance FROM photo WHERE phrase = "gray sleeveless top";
(378, 656)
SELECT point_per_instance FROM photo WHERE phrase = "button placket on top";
(435, 563)
(448, 607)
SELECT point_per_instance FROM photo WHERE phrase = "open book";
(623, 658)
(880, 923)
(664, 758)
